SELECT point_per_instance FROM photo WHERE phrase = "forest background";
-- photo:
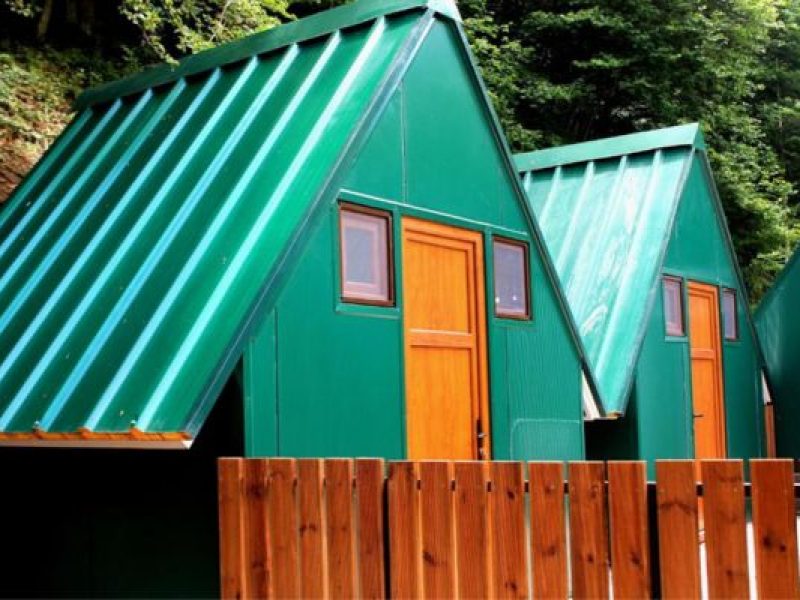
(559, 71)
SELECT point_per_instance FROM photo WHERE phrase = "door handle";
(698, 415)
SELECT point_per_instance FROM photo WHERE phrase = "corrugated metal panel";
(606, 223)
(778, 324)
(132, 257)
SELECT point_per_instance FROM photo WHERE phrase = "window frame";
(736, 332)
(528, 314)
(665, 279)
(350, 207)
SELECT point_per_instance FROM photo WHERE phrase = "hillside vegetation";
(559, 71)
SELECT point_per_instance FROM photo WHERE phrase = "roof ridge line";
(687, 135)
(294, 32)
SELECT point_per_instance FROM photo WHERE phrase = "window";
(730, 323)
(673, 306)
(511, 279)
(366, 256)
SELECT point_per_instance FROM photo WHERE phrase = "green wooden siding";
(434, 155)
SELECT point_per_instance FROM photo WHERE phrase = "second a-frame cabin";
(640, 242)
(311, 242)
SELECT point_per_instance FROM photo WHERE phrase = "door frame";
(722, 419)
(481, 407)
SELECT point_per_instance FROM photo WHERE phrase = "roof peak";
(689, 135)
(316, 25)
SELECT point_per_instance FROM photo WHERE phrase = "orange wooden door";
(445, 342)
(707, 387)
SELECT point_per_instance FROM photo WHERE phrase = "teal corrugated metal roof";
(135, 254)
(606, 219)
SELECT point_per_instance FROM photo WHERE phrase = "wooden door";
(445, 342)
(707, 387)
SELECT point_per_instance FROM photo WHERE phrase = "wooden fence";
(342, 528)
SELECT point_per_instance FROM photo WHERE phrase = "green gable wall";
(658, 424)
(338, 384)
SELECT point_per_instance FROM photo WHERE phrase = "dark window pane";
(365, 256)
(729, 317)
(673, 306)
(510, 279)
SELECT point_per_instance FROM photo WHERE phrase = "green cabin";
(311, 242)
(778, 328)
(639, 239)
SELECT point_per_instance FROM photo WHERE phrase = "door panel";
(707, 387)
(445, 352)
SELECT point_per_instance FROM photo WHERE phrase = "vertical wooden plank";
(256, 565)
(507, 526)
(311, 527)
(769, 430)
(775, 528)
(630, 543)
(231, 527)
(436, 522)
(678, 544)
(369, 490)
(471, 523)
(404, 543)
(282, 538)
(340, 528)
(548, 530)
(726, 541)
(588, 530)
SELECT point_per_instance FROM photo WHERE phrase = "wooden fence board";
(311, 527)
(404, 543)
(231, 552)
(509, 570)
(775, 528)
(370, 552)
(726, 541)
(436, 514)
(257, 563)
(630, 543)
(471, 522)
(678, 542)
(588, 530)
(548, 530)
(282, 511)
(339, 528)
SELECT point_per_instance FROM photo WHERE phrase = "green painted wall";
(337, 387)
(659, 421)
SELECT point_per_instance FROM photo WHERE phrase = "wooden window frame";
(390, 287)
(723, 292)
(681, 292)
(527, 274)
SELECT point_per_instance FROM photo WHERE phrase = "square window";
(730, 322)
(673, 306)
(366, 256)
(511, 279)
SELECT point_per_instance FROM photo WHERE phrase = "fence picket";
(775, 528)
(472, 535)
(630, 544)
(282, 515)
(436, 515)
(404, 569)
(231, 528)
(339, 527)
(369, 490)
(313, 568)
(256, 553)
(726, 541)
(507, 517)
(678, 542)
(548, 530)
(588, 530)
